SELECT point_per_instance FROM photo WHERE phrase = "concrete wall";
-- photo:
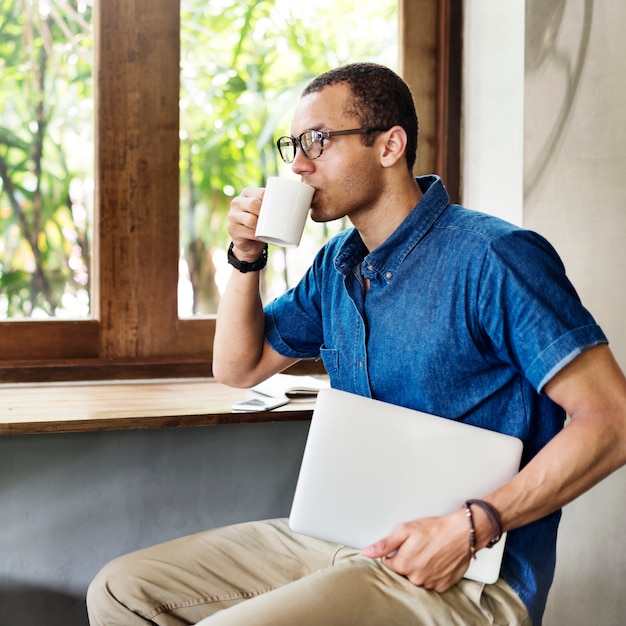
(572, 164)
(71, 502)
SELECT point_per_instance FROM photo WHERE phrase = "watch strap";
(244, 266)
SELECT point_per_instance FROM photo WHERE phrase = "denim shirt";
(466, 317)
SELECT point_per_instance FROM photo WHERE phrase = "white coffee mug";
(284, 210)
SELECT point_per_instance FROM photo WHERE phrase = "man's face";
(347, 175)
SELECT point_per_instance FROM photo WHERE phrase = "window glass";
(243, 67)
(46, 159)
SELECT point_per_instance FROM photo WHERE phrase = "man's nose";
(301, 164)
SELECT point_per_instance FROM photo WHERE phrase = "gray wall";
(575, 153)
(71, 502)
(545, 147)
(575, 184)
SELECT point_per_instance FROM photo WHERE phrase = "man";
(420, 297)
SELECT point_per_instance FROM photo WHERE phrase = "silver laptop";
(369, 465)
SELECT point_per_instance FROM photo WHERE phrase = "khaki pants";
(262, 574)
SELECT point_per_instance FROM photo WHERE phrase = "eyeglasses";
(311, 142)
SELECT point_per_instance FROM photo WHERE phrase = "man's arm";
(592, 389)
(241, 357)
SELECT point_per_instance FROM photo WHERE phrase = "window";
(46, 160)
(136, 331)
(243, 66)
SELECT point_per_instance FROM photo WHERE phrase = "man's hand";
(432, 553)
(242, 221)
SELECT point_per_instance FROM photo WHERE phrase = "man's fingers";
(386, 547)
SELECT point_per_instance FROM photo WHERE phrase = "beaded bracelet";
(472, 538)
(494, 519)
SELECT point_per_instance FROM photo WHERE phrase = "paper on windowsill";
(296, 388)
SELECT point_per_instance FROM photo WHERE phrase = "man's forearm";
(592, 389)
(573, 462)
(239, 331)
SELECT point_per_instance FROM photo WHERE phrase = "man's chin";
(315, 215)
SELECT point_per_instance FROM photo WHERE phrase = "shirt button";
(388, 275)
(370, 268)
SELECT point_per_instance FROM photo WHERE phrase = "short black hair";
(380, 99)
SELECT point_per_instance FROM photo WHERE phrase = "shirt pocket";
(330, 358)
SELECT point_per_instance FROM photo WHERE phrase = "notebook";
(370, 465)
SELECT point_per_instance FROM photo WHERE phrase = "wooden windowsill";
(129, 405)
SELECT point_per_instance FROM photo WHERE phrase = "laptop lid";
(360, 450)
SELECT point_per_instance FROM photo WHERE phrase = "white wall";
(493, 108)
(574, 164)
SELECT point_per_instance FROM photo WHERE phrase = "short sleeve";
(538, 322)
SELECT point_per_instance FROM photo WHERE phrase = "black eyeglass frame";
(321, 136)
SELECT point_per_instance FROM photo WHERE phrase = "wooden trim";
(417, 64)
(137, 175)
(430, 62)
(99, 369)
(449, 94)
(48, 340)
(132, 369)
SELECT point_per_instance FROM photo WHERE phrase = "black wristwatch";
(244, 266)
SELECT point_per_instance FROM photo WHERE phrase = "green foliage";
(45, 157)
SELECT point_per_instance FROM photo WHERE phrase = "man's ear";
(392, 146)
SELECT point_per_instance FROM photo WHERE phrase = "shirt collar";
(388, 257)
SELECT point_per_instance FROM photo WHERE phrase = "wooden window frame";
(136, 332)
